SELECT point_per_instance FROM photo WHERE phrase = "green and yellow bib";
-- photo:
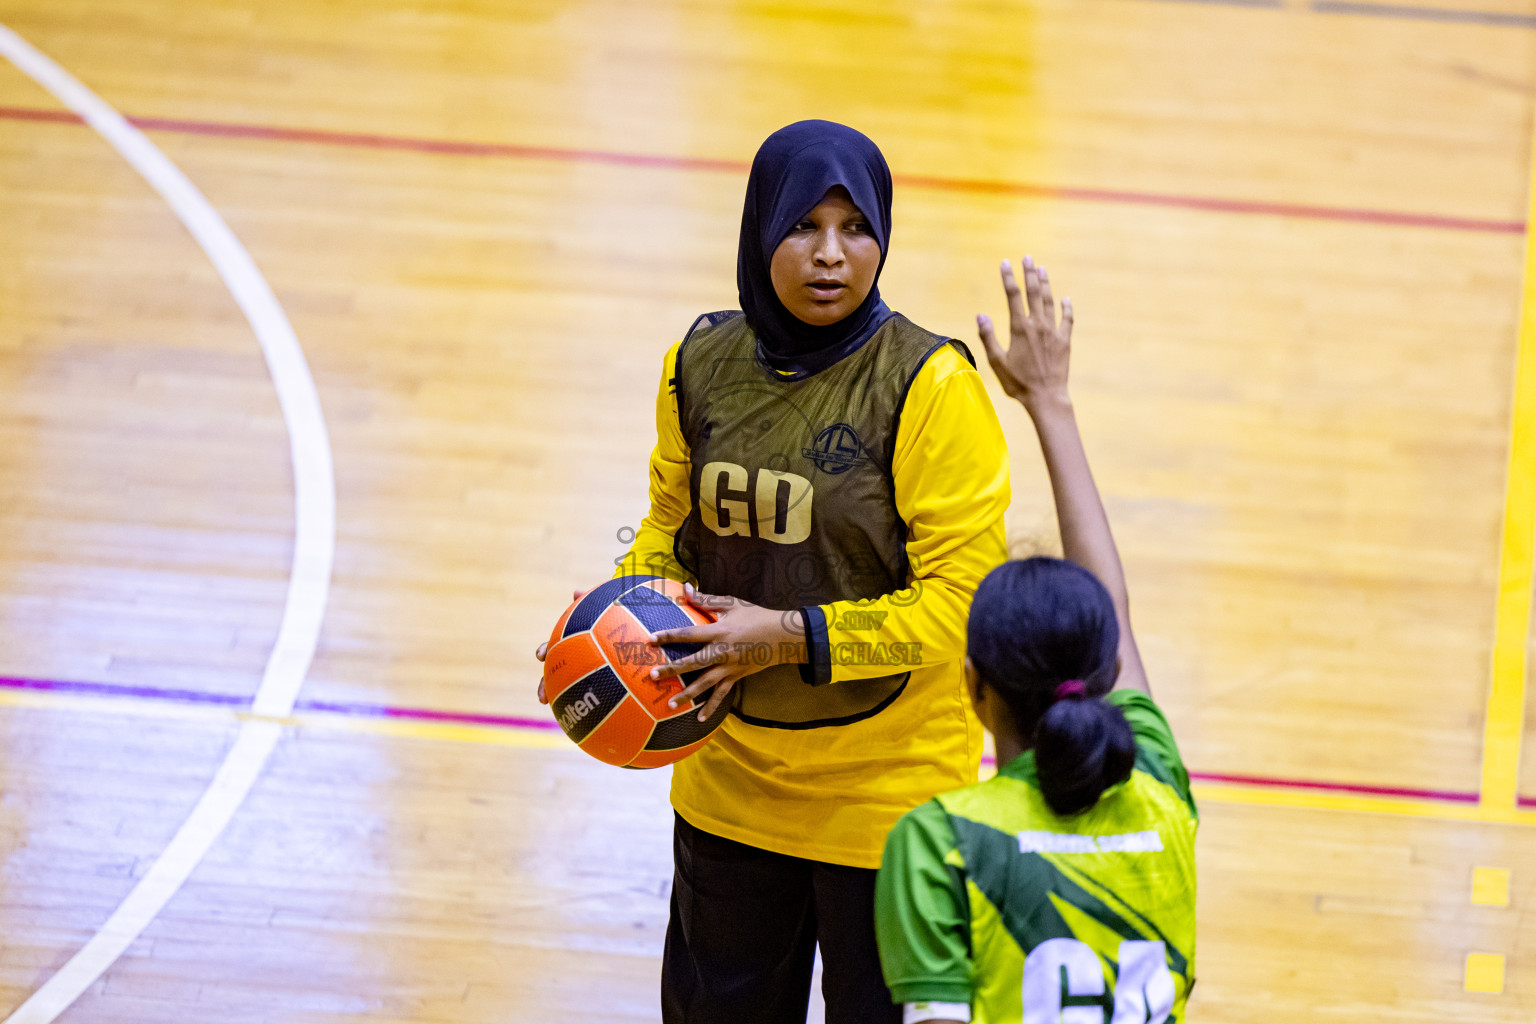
(986, 897)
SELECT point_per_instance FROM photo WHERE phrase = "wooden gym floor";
(1295, 234)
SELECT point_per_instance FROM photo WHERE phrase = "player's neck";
(1009, 746)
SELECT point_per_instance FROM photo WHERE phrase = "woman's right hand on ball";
(543, 649)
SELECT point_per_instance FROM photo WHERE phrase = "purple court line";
(358, 709)
(1269, 5)
(1273, 5)
(1401, 12)
(448, 147)
(1412, 12)
(362, 709)
(114, 690)
(231, 700)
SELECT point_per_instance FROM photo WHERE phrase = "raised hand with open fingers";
(744, 638)
(1033, 369)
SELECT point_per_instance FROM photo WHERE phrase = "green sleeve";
(922, 913)
(1153, 734)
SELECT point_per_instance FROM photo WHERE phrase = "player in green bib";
(1062, 890)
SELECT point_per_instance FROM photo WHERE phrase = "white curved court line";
(314, 538)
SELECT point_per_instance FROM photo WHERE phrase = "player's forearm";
(923, 624)
(1085, 535)
(955, 545)
(1033, 369)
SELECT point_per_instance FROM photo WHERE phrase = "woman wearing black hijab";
(795, 170)
(832, 479)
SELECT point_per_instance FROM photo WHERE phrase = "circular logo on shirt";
(837, 449)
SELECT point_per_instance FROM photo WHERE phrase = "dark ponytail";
(1035, 625)
(1082, 747)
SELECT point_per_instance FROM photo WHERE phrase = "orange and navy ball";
(597, 674)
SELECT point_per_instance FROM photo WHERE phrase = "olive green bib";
(792, 499)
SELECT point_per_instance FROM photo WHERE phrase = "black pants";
(744, 930)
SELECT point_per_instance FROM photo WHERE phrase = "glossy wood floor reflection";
(1294, 241)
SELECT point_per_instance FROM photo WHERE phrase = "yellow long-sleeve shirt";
(832, 794)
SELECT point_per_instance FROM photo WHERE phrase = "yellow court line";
(1359, 803)
(170, 710)
(548, 739)
(135, 707)
(499, 736)
(1504, 724)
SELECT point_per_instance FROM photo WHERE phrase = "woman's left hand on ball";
(744, 638)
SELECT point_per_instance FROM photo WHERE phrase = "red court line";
(29, 114)
(1213, 205)
(1442, 795)
(449, 147)
(362, 709)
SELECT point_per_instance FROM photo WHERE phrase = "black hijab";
(791, 174)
